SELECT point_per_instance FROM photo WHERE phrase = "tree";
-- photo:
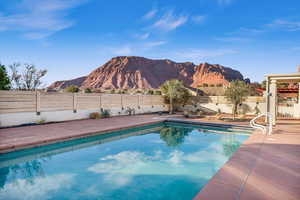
(174, 92)
(236, 93)
(174, 136)
(29, 79)
(4, 79)
(72, 88)
(264, 84)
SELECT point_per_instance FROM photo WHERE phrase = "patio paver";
(30, 136)
(265, 167)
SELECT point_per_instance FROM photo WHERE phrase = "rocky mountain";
(63, 84)
(125, 72)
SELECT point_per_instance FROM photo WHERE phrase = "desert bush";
(105, 114)
(72, 88)
(150, 92)
(88, 90)
(157, 92)
(41, 121)
(95, 115)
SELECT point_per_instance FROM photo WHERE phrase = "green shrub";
(95, 115)
(88, 90)
(157, 92)
(41, 121)
(105, 114)
(72, 88)
(150, 92)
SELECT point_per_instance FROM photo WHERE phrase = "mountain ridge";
(133, 72)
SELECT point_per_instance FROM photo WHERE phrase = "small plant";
(72, 88)
(186, 114)
(105, 114)
(88, 90)
(157, 92)
(150, 92)
(212, 85)
(130, 111)
(41, 121)
(257, 111)
(205, 85)
(95, 115)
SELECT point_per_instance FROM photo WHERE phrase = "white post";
(273, 100)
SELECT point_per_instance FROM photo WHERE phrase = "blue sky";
(70, 38)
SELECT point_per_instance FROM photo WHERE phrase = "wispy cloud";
(232, 39)
(276, 25)
(124, 51)
(285, 25)
(198, 54)
(142, 36)
(39, 19)
(170, 21)
(198, 19)
(155, 43)
(150, 14)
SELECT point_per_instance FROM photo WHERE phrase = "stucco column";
(299, 92)
(273, 100)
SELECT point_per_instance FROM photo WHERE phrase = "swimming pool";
(158, 161)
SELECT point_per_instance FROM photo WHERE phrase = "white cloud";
(142, 36)
(38, 188)
(125, 50)
(169, 21)
(38, 19)
(285, 25)
(198, 19)
(150, 14)
(232, 39)
(119, 169)
(198, 54)
(155, 43)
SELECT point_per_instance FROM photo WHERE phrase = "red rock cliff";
(138, 72)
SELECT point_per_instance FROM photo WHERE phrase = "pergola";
(271, 92)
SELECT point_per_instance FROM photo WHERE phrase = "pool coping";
(13, 148)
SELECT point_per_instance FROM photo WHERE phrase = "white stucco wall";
(227, 108)
(13, 119)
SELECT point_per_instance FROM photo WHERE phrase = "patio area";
(265, 167)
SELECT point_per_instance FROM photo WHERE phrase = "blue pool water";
(161, 161)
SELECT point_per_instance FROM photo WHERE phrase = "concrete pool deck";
(265, 167)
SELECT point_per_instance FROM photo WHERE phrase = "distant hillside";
(132, 72)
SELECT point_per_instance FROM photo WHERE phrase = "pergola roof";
(295, 77)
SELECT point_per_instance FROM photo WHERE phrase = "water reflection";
(230, 145)
(174, 136)
(28, 170)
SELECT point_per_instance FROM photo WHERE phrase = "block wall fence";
(21, 107)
